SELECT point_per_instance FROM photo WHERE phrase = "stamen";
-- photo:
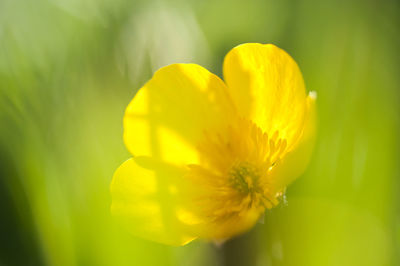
(235, 168)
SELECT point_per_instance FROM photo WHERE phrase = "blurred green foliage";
(69, 68)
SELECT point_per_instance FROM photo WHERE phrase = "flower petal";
(168, 116)
(295, 162)
(267, 87)
(147, 198)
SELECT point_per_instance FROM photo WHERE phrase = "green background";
(68, 69)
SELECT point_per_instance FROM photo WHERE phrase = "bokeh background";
(68, 69)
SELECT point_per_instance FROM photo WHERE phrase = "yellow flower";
(210, 156)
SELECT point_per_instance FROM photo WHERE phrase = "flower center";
(233, 179)
(235, 166)
(244, 178)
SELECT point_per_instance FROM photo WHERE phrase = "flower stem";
(239, 251)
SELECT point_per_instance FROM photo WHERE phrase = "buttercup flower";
(209, 157)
